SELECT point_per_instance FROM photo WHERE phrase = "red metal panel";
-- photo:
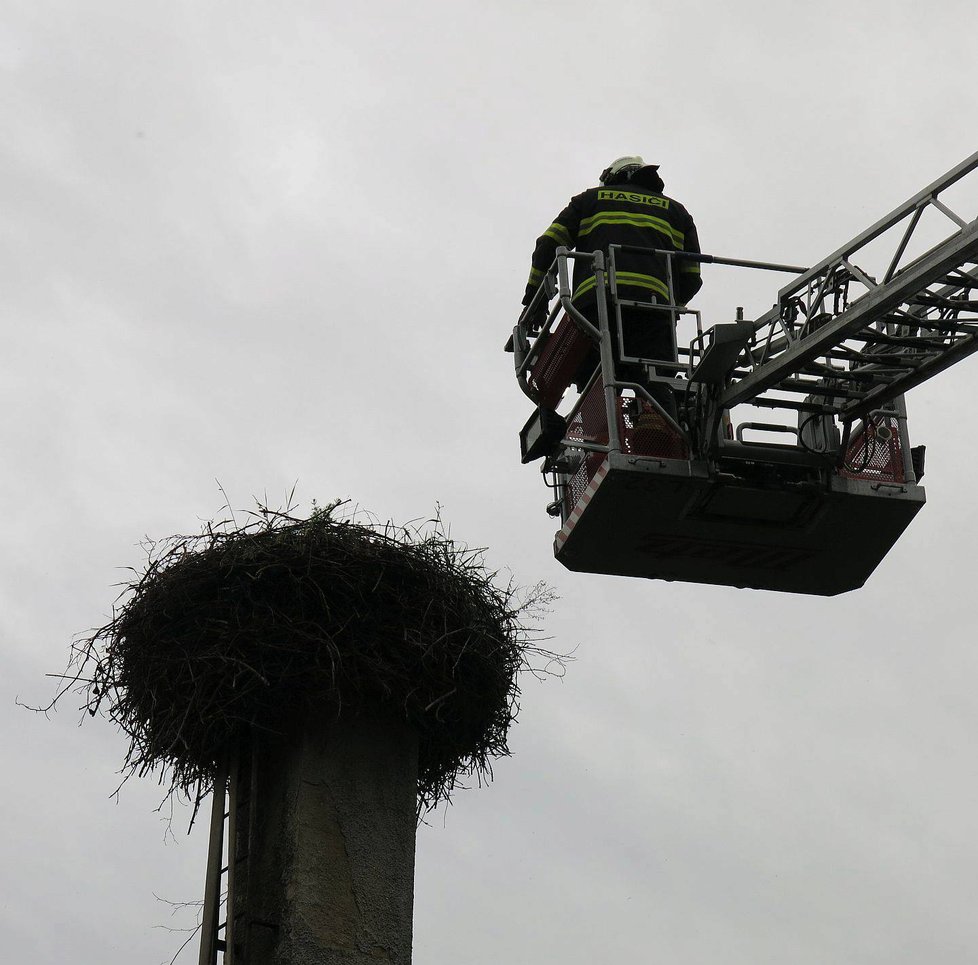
(558, 362)
(874, 459)
(643, 432)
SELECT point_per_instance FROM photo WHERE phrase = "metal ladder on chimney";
(840, 342)
(231, 833)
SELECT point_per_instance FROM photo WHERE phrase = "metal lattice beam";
(874, 339)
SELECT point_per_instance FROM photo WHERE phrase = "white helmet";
(624, 167)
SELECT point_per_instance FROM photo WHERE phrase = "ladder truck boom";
(874, 339)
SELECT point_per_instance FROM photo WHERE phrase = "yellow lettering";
(654, 201)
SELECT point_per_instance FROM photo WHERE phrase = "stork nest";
(229, 630)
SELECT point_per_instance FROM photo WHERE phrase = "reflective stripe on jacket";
(622, 214)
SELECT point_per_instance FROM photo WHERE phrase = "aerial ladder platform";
(811, 497)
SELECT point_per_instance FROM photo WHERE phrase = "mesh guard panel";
(873, 459)
(588, 425)
(578, 483)
(645, 433)
(558, 362)
(642, 430)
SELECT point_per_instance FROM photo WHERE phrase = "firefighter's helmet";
(624, 167)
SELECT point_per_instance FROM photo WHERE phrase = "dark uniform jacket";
(623, 214)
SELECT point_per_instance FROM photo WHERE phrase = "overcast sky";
(275, 243)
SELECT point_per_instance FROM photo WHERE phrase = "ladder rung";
(892, 360)
(908, 341)
(839, 375)
(871, 368)
(796, 385)
(939, 324)
(793, 404)
(895, 361)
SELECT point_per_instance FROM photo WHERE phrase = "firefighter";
(628, 208)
